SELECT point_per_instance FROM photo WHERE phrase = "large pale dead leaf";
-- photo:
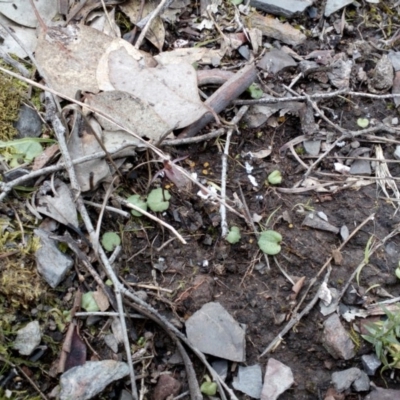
(69, 57)
(59, 206)
(84, 143)
(170, 89)
(191, 55)
(131, 113)
(21, 12)
(26, 35)
(156, 33)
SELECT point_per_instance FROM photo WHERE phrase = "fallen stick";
(222, 97)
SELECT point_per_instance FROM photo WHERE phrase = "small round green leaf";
(110, 240)
(275, 177)
(209, 388)
(269, 242)
(255, 91)
(397, 272)
(233, 235)
(88, 302)
(137, 201)
(157, 200)
(362, 122)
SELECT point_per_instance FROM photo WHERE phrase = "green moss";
(11, 93)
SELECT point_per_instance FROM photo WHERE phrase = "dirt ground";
(210, 269)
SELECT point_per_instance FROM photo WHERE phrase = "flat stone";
(312, 147)
(370, 363)
(335, 5)
(221, 368)
(362, 383)
(285, 8)
(249, 381)
(313, 221)
(396, 88)
(336, 340)
(214, 331)
(51, 263)
(29, 123)
(86, 381)
(278, 378)
(275, 61)
(360, 167)
(28, 338)
(383, 394)
(342, 380)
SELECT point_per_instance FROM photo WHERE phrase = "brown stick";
(228, 92)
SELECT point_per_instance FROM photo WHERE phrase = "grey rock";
(111, 342)
(278, 378)
(332, 307)
(221, 368)
(313, 221)
(335, 5)
(336, 340)
(29, 123)
(175, 359)
(244, 51)
(312, 147)
(394, 57)
(249, 381)
(362, 383)
(28, 338)
(370, 363)
(51, 263)
(342, 380)
(360, 167)
(213, 331)
(344, 232)
(383, 394)
(86, 381)
(382, 79)
(125, 395)
(275, 61)
(285, 8)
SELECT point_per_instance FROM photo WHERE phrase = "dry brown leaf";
(171, 89)
(131, 113)
(42, 159)
(191, 55)
(101, 299)
(156, 33)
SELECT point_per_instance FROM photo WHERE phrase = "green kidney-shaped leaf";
(397, 272)
(255, 91)
(209, 388)
(157, 200)
(88, 302)
(275, 177)
(269, 242)
(362, 122)
(233, 235)
(110, 240)
(137, 201)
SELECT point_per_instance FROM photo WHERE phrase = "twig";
(108, 208)
(28, 378)
(153, 15)
(225, 155)
(106, 314)
(195, 139)
(296, 319)
(148, 215)
(329, 260)
(59, 131)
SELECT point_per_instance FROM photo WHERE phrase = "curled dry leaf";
(170, 89)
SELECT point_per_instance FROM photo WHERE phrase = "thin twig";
(148, 215)
(153, 15)
(225, 155)
(295, 320)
